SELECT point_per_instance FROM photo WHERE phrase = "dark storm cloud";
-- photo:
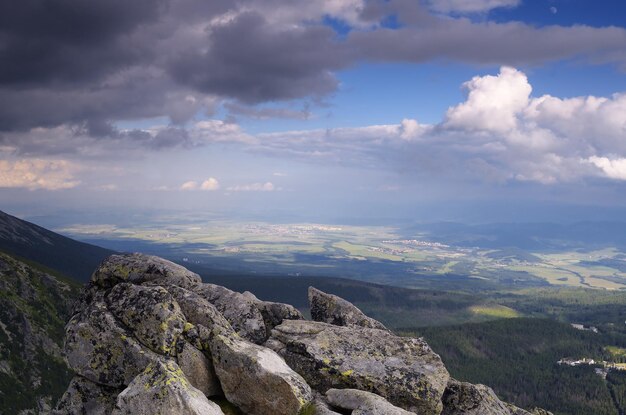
(90, 64)
(70, 41)
(255, 61)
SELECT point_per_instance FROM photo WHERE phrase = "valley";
(385, 254)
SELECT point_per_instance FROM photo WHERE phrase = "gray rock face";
(238, 309)
(274, 313)
(468, 399)
(362, 403)
(404, 371)
(199, 311)
(149, 338)
(256, 379)
(85, 397)
(163, 389)
(198, 369)
(97, 348)
(139, 268)
(151, 313)
(331, 309)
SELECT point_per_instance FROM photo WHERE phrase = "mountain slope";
(69, 257)
(34, 306)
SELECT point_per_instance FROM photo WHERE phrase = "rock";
(468, 399)
(256, 379)
(514, 410)
(97, 348)
(151, 313)
(139, 268)
(362, 403)
(335, 310)
(163, 389)
(404, 371)
(238, 309)
(320, 405)
(85, 397)
(198, 369)
(274, 313)
(199, 311)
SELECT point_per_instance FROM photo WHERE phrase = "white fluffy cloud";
(470, 6)
(499, 133)
(36, 174)
(254, 187)
(613, 168)
(210, 184)
(493, 102)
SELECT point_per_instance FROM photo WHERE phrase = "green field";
(374, 253)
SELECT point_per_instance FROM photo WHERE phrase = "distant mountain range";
(67, 256)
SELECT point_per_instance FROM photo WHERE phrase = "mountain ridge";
(35, 243)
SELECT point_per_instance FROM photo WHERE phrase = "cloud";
(254, 187)
(499, 133)
(613, 168)
(493, 102)
(34, 174)
(210, 184)
(92, 66)
(470, 6)
(271, 62)
(190, 185)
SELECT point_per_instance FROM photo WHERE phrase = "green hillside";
(34, 307)
(517, 358)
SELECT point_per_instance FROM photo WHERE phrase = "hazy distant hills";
(528, 236)
(69, 257)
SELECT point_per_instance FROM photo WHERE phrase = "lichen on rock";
(329, 308)
(163, 389)
(404, 371)
(150, 313)
(148, 337)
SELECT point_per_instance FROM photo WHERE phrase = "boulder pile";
(148, 336)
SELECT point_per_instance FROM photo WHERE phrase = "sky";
(324, 110)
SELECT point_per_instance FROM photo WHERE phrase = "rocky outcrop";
(362, 403)
(163, 389)
(465, 398)
(256, 379)
(405, 371)
(148, 337)
(138, 268)
(335, 310)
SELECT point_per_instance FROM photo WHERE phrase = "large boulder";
(198, 310)
(335, 310)
(97, 348)
(151, 313)
(468, 399)
(274, 313)
(86, 397)
(198, 369)
(163, 389)
(362, 403)
(404, 371)
(256, 379)
(238, 309)
(140, 268)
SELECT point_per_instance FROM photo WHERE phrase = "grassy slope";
(34, 306)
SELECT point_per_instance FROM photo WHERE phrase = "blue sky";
(470, 110)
